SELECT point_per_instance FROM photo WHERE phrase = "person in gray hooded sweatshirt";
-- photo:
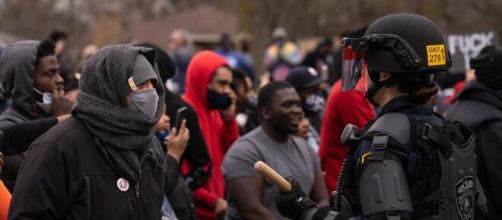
(29, 75)
(104, 162)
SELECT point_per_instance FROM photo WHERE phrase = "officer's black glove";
(295, 203)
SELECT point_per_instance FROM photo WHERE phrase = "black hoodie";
(481, 109)
(476, 105)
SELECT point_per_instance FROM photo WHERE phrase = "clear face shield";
(353, 63)
(355, 51)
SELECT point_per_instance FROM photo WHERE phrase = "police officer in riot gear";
(409, 163)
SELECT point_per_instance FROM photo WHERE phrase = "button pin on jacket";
(122, 184)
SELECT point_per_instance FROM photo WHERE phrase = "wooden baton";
(273, 176)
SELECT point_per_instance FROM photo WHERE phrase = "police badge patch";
(465, 198)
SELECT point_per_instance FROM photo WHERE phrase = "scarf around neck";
(125, 136)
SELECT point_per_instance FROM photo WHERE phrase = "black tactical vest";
(438, 157)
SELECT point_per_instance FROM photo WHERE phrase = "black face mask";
(314, 104)
(217, 100)
(370, 93)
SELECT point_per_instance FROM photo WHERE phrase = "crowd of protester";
(102, 139)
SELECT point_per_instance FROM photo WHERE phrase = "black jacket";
(356, 164)
(418, 158)
(66, 176)
(481, 109)
(17, 138)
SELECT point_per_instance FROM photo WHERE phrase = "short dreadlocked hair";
(45, 48)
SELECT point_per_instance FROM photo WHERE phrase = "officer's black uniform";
(417, 176)
(409, 163)
(419, 159)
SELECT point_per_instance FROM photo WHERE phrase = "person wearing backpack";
(479, 107)
(409, 163)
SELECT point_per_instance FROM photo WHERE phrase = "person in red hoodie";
(343, 107)
(208, 92)
(5, 196)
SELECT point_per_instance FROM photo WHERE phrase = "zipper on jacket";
(138, 203)
(136, 190)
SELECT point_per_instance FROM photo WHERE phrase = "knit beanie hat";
(142, 71)
(165, 64)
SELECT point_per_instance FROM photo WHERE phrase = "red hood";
(199, 73)
(218, 134)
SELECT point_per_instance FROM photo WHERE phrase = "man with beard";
(273, 142)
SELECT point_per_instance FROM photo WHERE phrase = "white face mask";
(46, 101)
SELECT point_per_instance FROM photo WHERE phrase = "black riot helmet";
(398, 44)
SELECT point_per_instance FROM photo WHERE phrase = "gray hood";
(17, 69)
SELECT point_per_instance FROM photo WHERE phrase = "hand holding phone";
(180, 115)
(177, 141)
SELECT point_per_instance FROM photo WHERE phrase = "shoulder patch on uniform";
(465, 198)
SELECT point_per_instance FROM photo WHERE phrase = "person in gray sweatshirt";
(29, 75)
